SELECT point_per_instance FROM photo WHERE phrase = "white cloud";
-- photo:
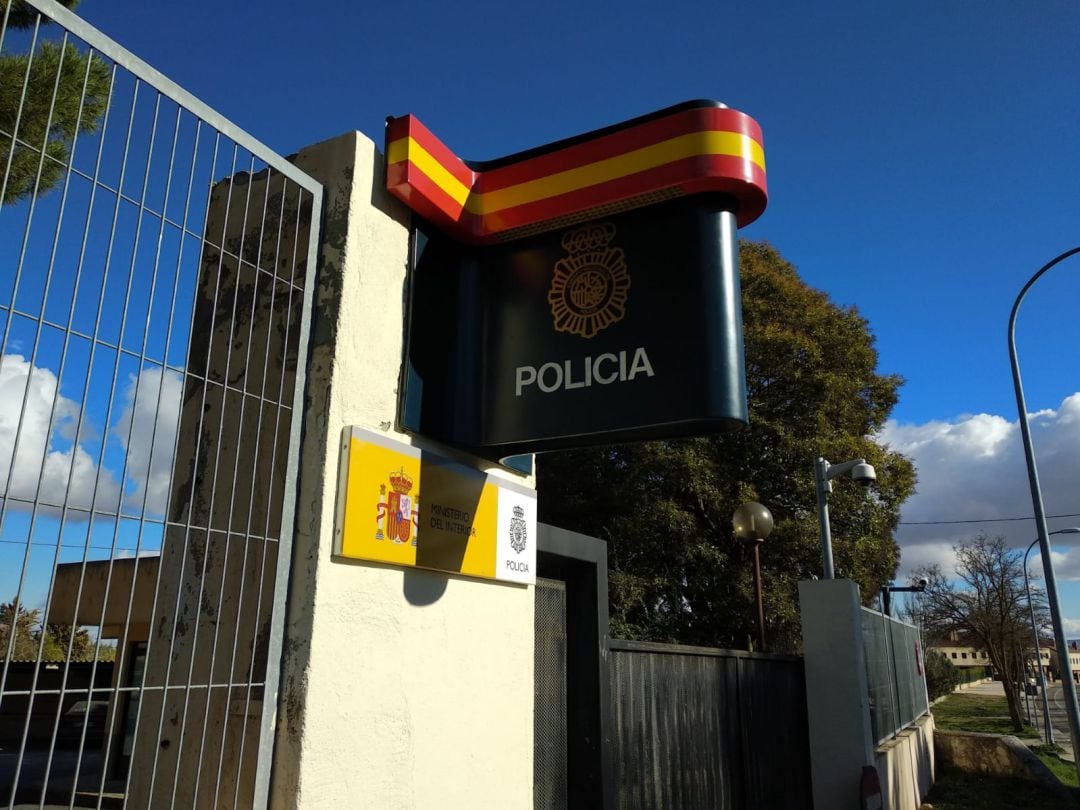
(972, 467)
(28, 451)
(1072, 626)
(147, 431)
(47, 461)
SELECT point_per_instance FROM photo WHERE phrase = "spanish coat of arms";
(398, 513)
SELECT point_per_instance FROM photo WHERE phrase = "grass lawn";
(957, 790)
(983, 713)
(1062, 768)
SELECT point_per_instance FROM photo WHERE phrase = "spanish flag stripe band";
(619, 142)
(425, 162)
(410, 129)
(698, 144)
(695, 150)
(483, 202)
(671, 176)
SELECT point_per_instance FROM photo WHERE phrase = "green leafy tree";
(941, 676)
(24, 624)
(60, 636)
(675, 571)
(66, 92)
(986, 604)
(53, 642)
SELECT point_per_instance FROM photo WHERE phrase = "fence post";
(837, 694)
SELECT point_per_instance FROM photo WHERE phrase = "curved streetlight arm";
(824, 472)
(1068, 687)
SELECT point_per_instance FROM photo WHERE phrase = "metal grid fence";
(894, 671)
(155, 285)
(549, 757)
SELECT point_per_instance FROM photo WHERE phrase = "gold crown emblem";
(590, 286)
(589, 237)
(401, 482)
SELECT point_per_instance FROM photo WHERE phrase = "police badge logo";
(590, 286)
(517, 530)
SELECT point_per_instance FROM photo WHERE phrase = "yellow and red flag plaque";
(403, 506)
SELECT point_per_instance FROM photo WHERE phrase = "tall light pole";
(1040, 514)
(753, 523)
(824, 473)
(1035, 633)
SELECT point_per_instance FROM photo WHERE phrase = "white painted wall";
(401, 689)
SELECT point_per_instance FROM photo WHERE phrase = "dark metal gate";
(155, 288)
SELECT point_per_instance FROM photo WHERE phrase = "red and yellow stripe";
(689, 151)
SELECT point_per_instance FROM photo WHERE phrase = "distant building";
(962, 655)
(1074, 660)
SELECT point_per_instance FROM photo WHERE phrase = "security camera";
(922, 582)
(864, 474)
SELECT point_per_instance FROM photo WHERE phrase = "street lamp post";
(1035, 633)
(824, 472)
(753, 523)
(1049, 578)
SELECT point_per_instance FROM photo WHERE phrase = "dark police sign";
(626, 326)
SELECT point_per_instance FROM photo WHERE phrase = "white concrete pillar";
(837, 695)
(401, 688)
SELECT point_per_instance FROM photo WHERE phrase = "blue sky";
(922, 160)
(922, 163)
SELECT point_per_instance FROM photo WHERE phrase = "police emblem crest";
(590, 286)
(518, 534)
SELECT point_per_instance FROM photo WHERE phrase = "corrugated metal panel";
(702, 728)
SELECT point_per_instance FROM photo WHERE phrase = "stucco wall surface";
(401, 688)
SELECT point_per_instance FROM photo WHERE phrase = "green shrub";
(969, 674)
(941, 676)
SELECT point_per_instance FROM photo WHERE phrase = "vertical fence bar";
(251, 496)
(168, 505)
(217, 462)
(122, 646)
(191, 497)
(284, 541)
(111, 400)
(251, 500)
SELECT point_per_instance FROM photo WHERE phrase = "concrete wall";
(998, 755)
(402, 688)
(837, 702)
(905, 766)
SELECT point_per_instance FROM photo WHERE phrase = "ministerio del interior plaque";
(406, 507)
